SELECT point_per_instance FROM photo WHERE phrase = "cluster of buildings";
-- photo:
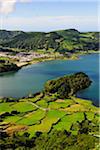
(23, 56)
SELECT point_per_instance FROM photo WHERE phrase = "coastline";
(35, 61)
(51, 60)
(74, 56)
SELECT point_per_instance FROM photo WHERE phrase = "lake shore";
(74, 56)
(35, 61)
(42, 72)
(27, 58)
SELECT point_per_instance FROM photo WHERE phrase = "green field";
(42, 103)
(12, 119)
(5, 107)
(58, 105)
(68, 120)
(23, 107)
(44, 114)
(32, 118)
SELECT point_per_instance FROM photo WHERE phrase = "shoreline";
(14, 99)
(50, 59)
(74, 56)
(42, 60)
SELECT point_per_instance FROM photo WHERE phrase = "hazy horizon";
(47, 31)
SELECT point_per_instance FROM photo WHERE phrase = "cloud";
(47, 23)
(8, 6)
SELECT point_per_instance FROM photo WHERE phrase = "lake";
(31, 79)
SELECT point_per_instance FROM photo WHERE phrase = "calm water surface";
(31, 79)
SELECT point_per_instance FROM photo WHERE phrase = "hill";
(62, 41)
(68, 85)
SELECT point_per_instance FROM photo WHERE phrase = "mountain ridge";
(68, 40)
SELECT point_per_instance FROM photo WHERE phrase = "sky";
(49, 15)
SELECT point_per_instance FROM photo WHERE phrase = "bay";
(31, 79)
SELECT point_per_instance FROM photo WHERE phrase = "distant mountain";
(62, 40)
(8, 35)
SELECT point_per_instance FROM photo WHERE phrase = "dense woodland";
(57, 140)
(68, 85)
(62, 41)
(6, 66)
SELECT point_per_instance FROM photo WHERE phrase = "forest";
(70, 40)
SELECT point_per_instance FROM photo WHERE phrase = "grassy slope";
(59, 114)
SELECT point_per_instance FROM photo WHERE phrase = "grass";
(30, 99)
(96, 119)
(61, 114)
(5, 107)
(51, 118)
(12, 119)
(82, 101)
(82, 106)
(86, 103)
(68, 120)
(58, 104)
(55, 114)
(49, 98)
(90, 115)
(23, 107)
(42, 103)
(32, 118)
(45, 126)
(76, 108)
(4, 58)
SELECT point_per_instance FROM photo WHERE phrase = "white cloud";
(46, 23)
(7, 6)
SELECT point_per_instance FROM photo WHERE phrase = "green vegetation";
(32, 118)
(68, 85)
(6, 65)
(42, 103)
(33, 125)
(63, 44)
(23, 107)
(68, 120)
(12, 119)
(62, 41)
(44, 121)
(5, 107)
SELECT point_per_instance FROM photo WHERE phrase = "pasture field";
(42, 103)
(32, 118)
(12, 119)
(5, 107)
(47, 113)
(68, 120)
(23, 107)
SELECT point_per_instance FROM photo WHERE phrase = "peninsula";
(34, 122)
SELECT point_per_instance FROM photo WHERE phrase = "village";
(25, 58)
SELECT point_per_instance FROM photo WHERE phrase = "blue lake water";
(31, 79)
